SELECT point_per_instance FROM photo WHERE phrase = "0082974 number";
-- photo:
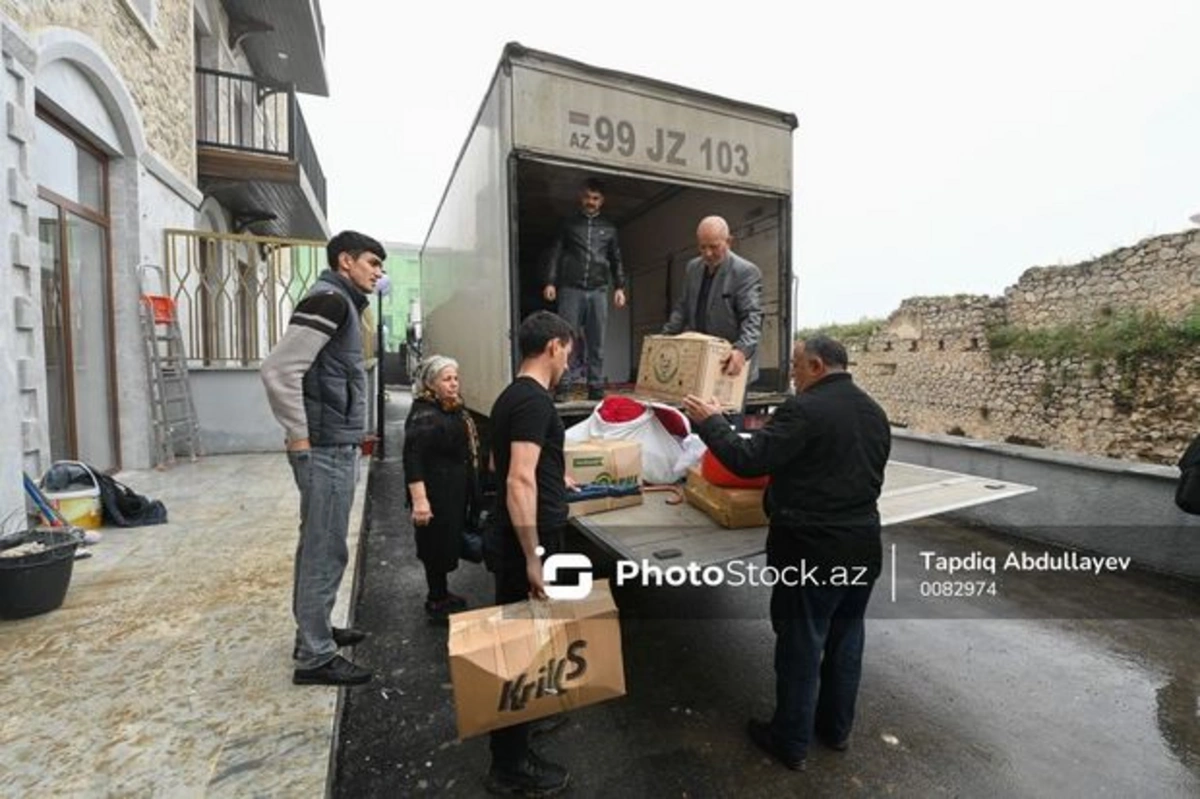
(958, 588)
(672, 147)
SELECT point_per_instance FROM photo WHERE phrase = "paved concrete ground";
(1066, 687)
(167, 671)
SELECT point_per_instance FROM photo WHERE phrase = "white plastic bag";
(692, 450)
(665, 459)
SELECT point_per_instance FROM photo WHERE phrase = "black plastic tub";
(36, 582)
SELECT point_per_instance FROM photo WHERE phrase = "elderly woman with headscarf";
(441, 467)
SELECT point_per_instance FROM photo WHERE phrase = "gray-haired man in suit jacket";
(722, 296)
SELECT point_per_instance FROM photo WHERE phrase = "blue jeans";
(587, 314)
(818, 661)
(325, 479)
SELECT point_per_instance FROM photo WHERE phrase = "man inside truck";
(722, 296)
(584, 256)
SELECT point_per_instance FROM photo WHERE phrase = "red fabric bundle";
(615, 409)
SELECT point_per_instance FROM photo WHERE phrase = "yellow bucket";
(79, 506)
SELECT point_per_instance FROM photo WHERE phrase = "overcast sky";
(943, 147)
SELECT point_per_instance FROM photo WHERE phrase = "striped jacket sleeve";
(312, 325)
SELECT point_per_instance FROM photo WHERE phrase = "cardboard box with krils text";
(531, 659)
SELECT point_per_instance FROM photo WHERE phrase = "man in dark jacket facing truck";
(825, 449)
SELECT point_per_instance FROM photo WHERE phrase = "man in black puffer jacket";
(825, 450)
(584, 258)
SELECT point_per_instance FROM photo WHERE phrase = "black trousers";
(435, 579)
(818, 661)
(510, 745)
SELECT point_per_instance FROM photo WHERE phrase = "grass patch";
(850, 331)
(1114, 336)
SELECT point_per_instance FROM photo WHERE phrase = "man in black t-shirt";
(531, 511)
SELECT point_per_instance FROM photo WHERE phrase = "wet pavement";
(1049, 692)
(167, 670)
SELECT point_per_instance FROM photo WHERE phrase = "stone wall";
(931, 368)
(24, 443)
(154, 59)
(1161, 273)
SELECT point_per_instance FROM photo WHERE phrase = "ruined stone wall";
(931, 368)
(1161, 274)
(153, 57)
(944, 324)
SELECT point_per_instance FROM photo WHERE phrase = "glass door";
(54, 332)
(76, 299)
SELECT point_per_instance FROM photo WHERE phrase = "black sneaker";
(347, 636)
(342, 636)
(535, 777)
(439, 610)
(337, 671)
(764, 739)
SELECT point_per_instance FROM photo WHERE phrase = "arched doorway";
(88, 123)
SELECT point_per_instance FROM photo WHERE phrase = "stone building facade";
(153, 57)
(932, 369)
(100, 159)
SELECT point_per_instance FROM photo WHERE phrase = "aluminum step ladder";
(176, 426)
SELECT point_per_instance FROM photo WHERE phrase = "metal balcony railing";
(250, 115)
(234, 293)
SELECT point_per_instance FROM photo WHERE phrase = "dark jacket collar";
(828, 380)
(361, 300)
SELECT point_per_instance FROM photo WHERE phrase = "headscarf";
(427, 372)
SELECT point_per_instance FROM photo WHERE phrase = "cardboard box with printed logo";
(728, 507)
(515, 663)
(671, 367)
(609, 471)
